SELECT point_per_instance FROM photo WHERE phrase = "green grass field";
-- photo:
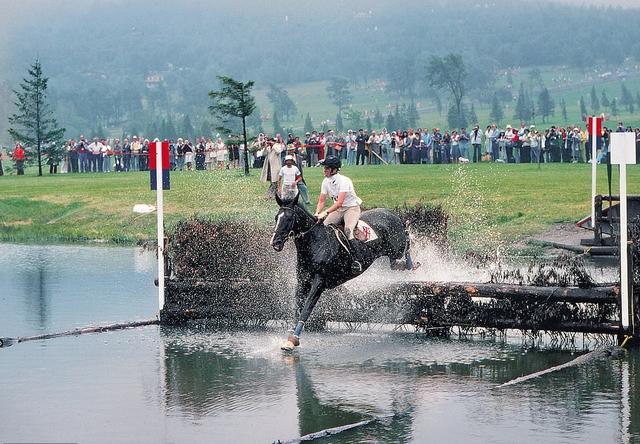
(488, 203)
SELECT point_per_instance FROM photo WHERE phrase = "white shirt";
(289, 174)
(332, 186)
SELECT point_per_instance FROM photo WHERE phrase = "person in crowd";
(126, 154)
(53, 160)
(475, 139)
(330, 143)
(221, 151)
(426, 142)
(373, 143)
(288, 177)
(294, 150)
(445, 155)
(82, 148)
(271, 166)
(136, 151)
(118, 156)
(463, 139)
(106, 152)
(553, 141)
(352, 147)
(525, 145)
(19, 157)
(201, 151)
(72, 154)
(535, 145)
(385, 146)
(345, 208)
(436, 136)
(361, 141)
(576, 142)
(180, 154)
(144, 155)
(396, 147)
(187, 150)
(455, 147)
(93, 154)
(1, 158)
(210, 154)
(517, 145)
(510, 138)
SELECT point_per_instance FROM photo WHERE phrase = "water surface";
(174, 385)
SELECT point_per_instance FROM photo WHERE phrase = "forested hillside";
(117, 64)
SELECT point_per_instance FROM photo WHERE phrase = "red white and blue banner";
(165, 165)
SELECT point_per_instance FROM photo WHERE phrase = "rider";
(346, 204)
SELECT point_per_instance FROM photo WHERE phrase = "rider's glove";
(322, 215)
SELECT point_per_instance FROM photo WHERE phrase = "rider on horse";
(345, 208)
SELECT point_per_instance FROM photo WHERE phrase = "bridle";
(291, 234)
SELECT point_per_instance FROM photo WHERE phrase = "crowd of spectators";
(524, 144)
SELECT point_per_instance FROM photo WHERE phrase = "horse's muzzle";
(278, 246)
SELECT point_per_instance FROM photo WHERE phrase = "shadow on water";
(35, 293)
(342, 379)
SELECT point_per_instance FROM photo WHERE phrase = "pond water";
(192, 385)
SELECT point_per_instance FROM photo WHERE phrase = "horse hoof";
(294, 340)
(288, 346)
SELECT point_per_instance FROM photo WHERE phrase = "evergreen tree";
(438, 103)
(546, 104)
(205, 129)
(355, 118)
(604, 100)
(583, 108)
(277, 127)
(231, 103)
(369, 125)
(171, 130)
(339, 93)
(339, 122)
(282, 103)
(595, 102)
(521, 111)
(308, 124)
(626, 99)
(614, 107)
(412, 115)
(99, 131)
(399, 119)
(563, 107)
(33, 123)
(497, 114)
(324, 127)
(455, 119)
(390, 122)
(531, 108)
(378, 120)
(473, 117)
(187, 128)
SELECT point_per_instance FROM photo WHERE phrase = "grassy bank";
(488, 203)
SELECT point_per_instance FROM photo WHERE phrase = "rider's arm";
(321, 201)
(338, 203)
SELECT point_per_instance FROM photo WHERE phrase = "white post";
(593, 171)
(624, 269)
(160, 213)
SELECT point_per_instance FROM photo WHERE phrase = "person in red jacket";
(18, 157)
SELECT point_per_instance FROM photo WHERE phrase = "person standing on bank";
(19, 157)
(345, 208)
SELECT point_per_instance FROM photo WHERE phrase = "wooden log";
(597, 295)
(567, 326)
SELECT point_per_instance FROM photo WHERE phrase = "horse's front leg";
(316, 289)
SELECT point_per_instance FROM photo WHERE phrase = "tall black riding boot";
(356, 248)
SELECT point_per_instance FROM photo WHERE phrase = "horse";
(324, 261)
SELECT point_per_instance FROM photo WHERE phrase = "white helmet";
(288, 157)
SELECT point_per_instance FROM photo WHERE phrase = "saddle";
(363, 233)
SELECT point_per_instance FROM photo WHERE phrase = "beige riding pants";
(347, 215)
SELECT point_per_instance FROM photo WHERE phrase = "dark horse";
(324, 262)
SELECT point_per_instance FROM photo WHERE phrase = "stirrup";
(356, 267)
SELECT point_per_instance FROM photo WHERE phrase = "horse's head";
(285, 221)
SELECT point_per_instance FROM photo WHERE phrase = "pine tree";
(205, 129)
(412, 115)
(521, 111)
(595, 103)
(473, 117)
(171, 130)
(369, 125)
(438, 103)
(497, 114)
(546, 104)
(604, 100)
(187, 128)
(614, 107)
(308, 124)
(378, 120)
(33, 123)
(277, 127)
(583, 108)
(339, 122)
(626, 99)
(563, 107)
(390, 122)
